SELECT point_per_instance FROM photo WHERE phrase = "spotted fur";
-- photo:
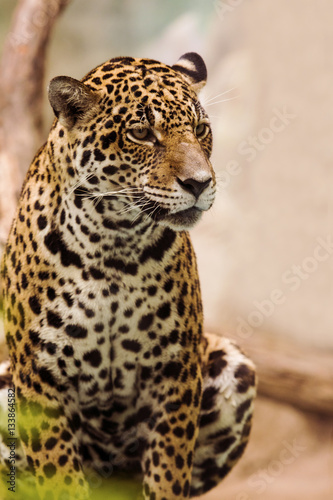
(103, 313)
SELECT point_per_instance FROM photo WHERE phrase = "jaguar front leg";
(50, 441)
(168, 457)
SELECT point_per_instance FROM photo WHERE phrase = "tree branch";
(292, 373)
(22, 70)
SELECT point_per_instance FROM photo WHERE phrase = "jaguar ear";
(71, 100)
(193, 69)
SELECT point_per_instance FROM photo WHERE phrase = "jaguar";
(110, 365)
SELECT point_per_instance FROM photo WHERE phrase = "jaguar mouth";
(182, 220)
(185, 219)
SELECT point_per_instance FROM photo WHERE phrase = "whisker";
(137, 216)
(97, 200)
(122, 195)
(123, 190)
(205, 101)
(133, 192)
(144, 207)
(80, 182)
(131, 206)
(222, 100)
(128, 208)
(155, 210)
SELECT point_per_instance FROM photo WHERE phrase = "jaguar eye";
(140, 135)
(201, 130)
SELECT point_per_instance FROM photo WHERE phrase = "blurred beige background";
(265, 250)
(273, 151)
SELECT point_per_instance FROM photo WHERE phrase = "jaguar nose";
(193, 186)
